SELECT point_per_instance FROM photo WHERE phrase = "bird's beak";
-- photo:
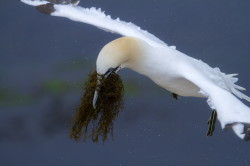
(99, 81)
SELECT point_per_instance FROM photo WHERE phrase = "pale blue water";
(44, 61)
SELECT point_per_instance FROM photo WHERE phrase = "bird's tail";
(231, 112)
(242, 130)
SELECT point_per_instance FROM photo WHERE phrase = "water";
(44, 61)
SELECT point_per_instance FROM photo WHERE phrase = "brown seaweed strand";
(109, 104)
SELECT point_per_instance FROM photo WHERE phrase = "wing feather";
(231, 111)
(97, 18)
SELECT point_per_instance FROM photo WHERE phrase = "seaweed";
(98, 123)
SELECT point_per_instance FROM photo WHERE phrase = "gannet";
(169, 68)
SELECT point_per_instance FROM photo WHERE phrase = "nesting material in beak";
(98, 122)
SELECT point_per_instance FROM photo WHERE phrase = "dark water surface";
(44, 61)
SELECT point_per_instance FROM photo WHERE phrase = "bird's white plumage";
(168, 67)
(99, 19)
(34, 3)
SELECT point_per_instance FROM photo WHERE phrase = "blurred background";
(45, 60)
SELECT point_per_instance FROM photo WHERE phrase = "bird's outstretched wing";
(230, 110)
(94, 17)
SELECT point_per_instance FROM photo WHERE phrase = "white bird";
(176, 72)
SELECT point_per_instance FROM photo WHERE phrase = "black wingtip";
(175, 96)
(46, 9)
(247, 132)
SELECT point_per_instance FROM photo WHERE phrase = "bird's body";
(160, 64)
(157, 63)
(176, 72)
